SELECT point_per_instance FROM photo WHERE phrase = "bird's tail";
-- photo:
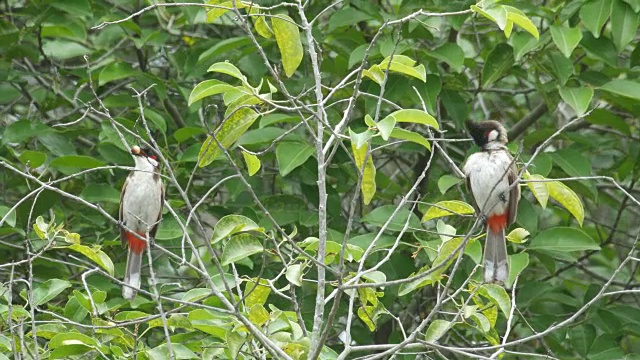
(496, 266)
(134, 267)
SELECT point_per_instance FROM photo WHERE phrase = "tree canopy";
(314, 203)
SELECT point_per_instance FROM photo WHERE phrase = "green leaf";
(64, 339)
(451, 53)
(500, 60)
(431, 92)
(360, 139)
(208, 88)
(565, 38)
(409, 287)
(539, 189)
(75, 162)
(22, 130)
(233, 224)
(10, 217)
(180, 351)
(156, 119)
(370, 314)
(271, 119)
(258, 315)
(290, 155)
(368, 185)
(196, 294)
(573, 162)
(563, 239)
(97, 296)
(294, 274)
(498, 295)
(41, 228)
(235, 340)
(562, 67)
(225, 6)
(445, 231)
(523, 44)
(57, 144)
(115, 71)
(446, 208)
(169, 229)
(100, 193)
(239, 247)
(369, 120)
(517, 263)
(76, 7)
(446, 182)
(385, 126)
(600, 49)
(497, 14)
(436, 330)
(264, 136)
(624, 24)
(262, 27)
(455, 105)
(380, 215)
(567, 198)
(96, 255)
(227, 134)
(399, 133)
(404, 65)
(594, 15)
(401, 64)
(64, 49)
(347, 16)
(256, 293)
(627, 88)
(415, 116)
(252, 161)
(483, 323)
(582, 338)
(32, 158)
(578, 98)
(48, 290)
(604, 117)
(635, 5)
(229, 69)
(288, 40)
(222, 48)
(374, 73)
(518, 235)
(519, 18)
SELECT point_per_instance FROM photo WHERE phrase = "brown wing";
(514, 194)
(470, 191)
(123, 238)
(152, 233)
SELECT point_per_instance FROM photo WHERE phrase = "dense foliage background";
(310, 153)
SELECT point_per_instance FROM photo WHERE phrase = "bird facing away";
(140, 211)
(491, 178)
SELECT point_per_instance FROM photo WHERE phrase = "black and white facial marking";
(487, 134)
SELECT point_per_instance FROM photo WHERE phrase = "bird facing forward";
(490, 176)
(140, 211)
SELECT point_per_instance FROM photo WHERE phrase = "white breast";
(142, 200)
(487, 174)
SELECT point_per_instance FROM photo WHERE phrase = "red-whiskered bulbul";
(140, 211)
(491, 174)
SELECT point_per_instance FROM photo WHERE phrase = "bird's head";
(487, 134)
(144, 156)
